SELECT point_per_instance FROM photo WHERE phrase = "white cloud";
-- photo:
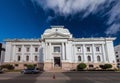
(114, 19)
(113, 29)
(70, 7)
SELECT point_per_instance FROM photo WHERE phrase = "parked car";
(1, 71)
(30, 71)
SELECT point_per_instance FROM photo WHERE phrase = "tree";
(81, 66)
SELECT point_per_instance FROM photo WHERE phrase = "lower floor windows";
(79, 58)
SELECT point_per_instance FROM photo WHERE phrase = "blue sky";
(84, 18)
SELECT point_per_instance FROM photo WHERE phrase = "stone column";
(84, 54)
(103, 53)
(50, 55)
(23, 57)
(63, 51)
(93, 54)
(31, 54)
(45, 51)
(14, 54)
(74, 52)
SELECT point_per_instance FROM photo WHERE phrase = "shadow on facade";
(41, 59)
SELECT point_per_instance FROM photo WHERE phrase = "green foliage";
(30, 66)
(81, 66)
(105, 66)
(8, 66)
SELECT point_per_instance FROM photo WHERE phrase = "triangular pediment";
(56, 35)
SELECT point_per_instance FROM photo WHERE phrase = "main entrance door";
(57, 62)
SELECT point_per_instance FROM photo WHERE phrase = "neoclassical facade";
(58, 49)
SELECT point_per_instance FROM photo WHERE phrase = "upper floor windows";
(27, 49)
(88, 49)
(97, 49)
(79, 49)
(19, 49)
(57, 49)
(36, 49)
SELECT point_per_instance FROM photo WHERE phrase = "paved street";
(65, 77)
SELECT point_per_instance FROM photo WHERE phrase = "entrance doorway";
(57, 62)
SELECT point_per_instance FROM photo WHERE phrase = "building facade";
(58, 49)
(117, 54)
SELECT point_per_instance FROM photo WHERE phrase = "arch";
(27, 58)
(79, 58)
(98, 58)
(19, 58)
(89, 58)
(36, 58)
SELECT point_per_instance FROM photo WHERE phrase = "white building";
(117, 54)
(57, 48)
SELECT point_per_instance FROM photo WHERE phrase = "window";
(79, 58)
(35, 58)
(118, 60)
(89, 58)
(116, 52)
(79, 49)
(98, 58)
(36, 49)
(91, 66)
(27, 58)
(117, 56)
(16, 65)
(97, 49)
(19, 58)
(27, 49)
(88, 49)
(19, 49)
(56, 49)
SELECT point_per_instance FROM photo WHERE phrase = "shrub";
(81, 66)
(30, 66)
(8, 66)
(105, 66)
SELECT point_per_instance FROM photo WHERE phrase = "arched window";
(36, 58)
(27, 58)
(98, 58)
(89, 58)
(19, 58)
(79, 58)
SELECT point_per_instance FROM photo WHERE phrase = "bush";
(8, 66)
(81, 66)
(30, 66)
(105, 66)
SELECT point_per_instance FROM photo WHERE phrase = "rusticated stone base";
(65, 66)
(48, 66)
